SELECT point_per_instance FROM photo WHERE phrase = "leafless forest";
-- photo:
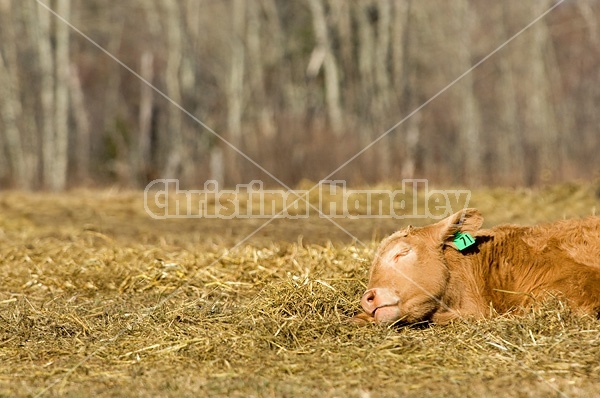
(299, 87)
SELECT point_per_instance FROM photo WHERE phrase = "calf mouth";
(387, 314)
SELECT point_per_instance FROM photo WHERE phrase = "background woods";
(299, 86)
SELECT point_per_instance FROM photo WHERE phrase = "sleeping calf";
(419, 274)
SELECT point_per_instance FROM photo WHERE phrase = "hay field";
(98, 299)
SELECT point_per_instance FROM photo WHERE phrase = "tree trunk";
(366, 57)
(235, 91)
(112, 112)
(9, 110)
(365, 87)
(330, 69)
(407, 84)
(174, 48)
(384, 89)
(31, 132)
(342, 17)
(144, 160)
(470, 143)
(510, 155)
(46, 70)
(400, 34)
(539, 116)
(82, 140)
(59, 172)
(382, 55)
(259, 107)
(10, 106)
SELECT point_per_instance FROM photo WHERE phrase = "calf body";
(418, 274)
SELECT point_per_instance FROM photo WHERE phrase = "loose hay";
(98, 300)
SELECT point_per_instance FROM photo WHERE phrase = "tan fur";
(419, 275)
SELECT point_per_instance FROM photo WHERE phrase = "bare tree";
(58, 179)
(40, 24)
(406, 84)
(53, 68)
(9, 110)
(82, 148)
(470, 141)
(509, 135)
(366, 57)
(10, 106)
(145, 115)
(382, 55)
(172, 79)
(323, 56)
(235, 88)
(540, 126)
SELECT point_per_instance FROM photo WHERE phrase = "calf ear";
(464, 221)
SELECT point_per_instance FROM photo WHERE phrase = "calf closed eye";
(401, 253)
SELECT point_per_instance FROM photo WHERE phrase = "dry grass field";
(99, 299)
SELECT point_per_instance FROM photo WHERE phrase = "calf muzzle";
(376, 298)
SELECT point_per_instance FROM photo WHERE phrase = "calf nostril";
(369, 301)
(369, 296)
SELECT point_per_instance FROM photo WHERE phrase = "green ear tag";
(463, 240)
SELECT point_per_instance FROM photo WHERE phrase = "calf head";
(409, 275)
